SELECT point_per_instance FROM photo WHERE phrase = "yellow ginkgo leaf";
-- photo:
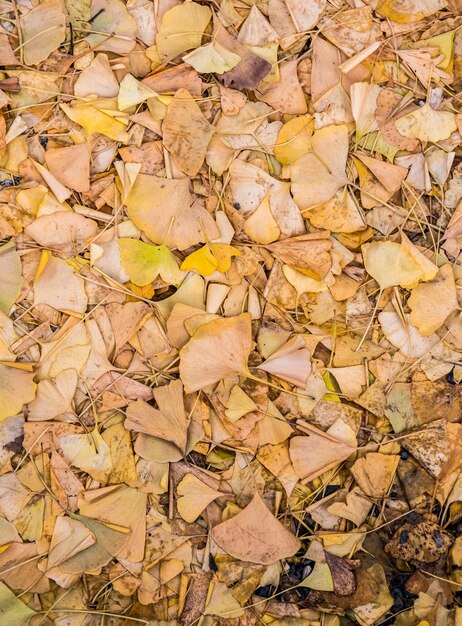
(391, 263)
(210, 258)
(16, 388)
(261, 225)
(212, 58)
(89, 452)
(194, 497)
(445, 42)
(133, 92)
(432, 302)
(238, 404)
(143, 263)
(217, 349)
(181, 29)
(319, 174)
(427, 124)
(165, 210)
(319, 579)
(303, 283)
(409, 11)
(94, 117)
(294, 139)
(10, 276)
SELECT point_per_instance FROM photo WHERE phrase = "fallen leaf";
(217, 349)
(255, 535)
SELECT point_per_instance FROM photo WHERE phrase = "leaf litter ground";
(230, 330)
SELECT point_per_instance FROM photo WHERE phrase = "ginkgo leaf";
(363, 106)
(115, 27)
(94, 117)
(191, 292)
(12, 610)
(217, 349)
(89, 452)
(181, 29)
(356, 508)
(391, 263)
(98, 79)
(340, 214)
(163, 208)
(143, 263)
(186, 132)
(427, 124)
(294, 139)
(194, 497)
(404, 336)
(17, 388)
(238, 404)
(374, 473)
(132, 92)
(58, 286)
(169, 422)
(316, 452)
(255, 535)
(317, 175)
(212, 58)
(320, 578)
(303, 283)
(43, 30)
(69, 538)
(409, 11)
(109, 543)
(308, 252)
(432, 302)
(210, 258)
(70, 165)
(291, 362)
(10, 275)
(261, 225)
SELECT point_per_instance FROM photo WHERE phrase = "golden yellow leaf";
(210, 258)
(181, 29)
(294, 139)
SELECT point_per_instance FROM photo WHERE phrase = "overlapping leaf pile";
(230, 329)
